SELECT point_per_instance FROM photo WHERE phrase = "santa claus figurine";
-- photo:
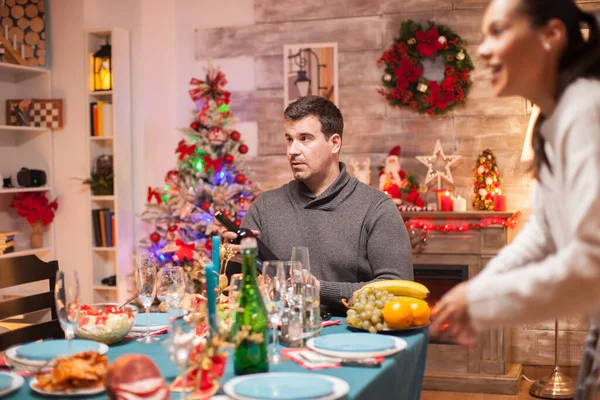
(392, 178)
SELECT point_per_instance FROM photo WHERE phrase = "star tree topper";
(432, 171)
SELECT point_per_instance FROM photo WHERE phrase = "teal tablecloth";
(399, 377)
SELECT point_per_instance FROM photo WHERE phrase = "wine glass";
(293, 297)
(301, 255)
(67, 299)
(274, 297)
(182, 334)
(146, 280)
(172, 286)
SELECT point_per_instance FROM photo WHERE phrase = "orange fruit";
(420, 311)
(397, 314)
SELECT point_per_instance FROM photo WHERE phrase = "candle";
(6, 32)
(499, 202)
(459, 204)
(446, 202)
(15, 42)
(439, 194)
(212, 281)
(23, 51)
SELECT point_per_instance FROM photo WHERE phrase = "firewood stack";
(23, 32)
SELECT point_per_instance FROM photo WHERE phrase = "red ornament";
(235, 136)
(240, 178)
(154, 237)
(194, 126)
(173, 228)
(228, 159)
(238, 222)
(208, 245)
(205, 206)
(243, 149)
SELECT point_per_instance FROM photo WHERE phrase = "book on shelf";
(103, 225)
(101, 115)
(7, 244)
(7, 250)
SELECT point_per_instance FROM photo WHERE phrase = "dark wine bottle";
(264, 253)
(250, 326)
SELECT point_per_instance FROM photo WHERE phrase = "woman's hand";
(451, 320)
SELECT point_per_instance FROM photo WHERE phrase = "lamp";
(103, 68)
(303, 82)
(527, 153)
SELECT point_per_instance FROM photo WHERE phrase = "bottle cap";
(248, 243)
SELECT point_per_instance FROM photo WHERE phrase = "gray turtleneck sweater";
(354, 233)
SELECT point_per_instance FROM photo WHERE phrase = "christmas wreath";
(403, 81)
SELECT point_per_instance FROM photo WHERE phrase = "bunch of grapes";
(366, 309)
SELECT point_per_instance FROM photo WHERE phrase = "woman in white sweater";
(535, 49)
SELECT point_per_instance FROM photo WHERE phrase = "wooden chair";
(19, 271)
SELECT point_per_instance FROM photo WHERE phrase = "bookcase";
(109, 133)
(24, 146)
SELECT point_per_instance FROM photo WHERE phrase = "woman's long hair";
(580, 59)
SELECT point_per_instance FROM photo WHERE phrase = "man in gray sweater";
(354, 232)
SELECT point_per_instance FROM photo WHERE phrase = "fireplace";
(442, 262)
(439, 279)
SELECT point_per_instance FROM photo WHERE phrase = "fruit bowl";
(104, 323)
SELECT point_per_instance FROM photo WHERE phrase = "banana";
(400, 288)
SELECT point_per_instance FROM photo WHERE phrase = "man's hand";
(227, 237)
(451, 320)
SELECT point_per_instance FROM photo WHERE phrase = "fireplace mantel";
(484, 368)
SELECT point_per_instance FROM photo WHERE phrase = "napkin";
(312, 360)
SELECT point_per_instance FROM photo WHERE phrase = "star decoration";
(430, 161)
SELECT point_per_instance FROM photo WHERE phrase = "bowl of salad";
(105, 322)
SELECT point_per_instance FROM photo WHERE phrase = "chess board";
(46, 113)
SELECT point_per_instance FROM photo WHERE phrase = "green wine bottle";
(250, 322)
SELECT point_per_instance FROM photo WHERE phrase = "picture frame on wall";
(310, 69)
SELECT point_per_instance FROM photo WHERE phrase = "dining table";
(400, 376)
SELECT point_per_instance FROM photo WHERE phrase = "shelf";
(104, 248)
(105, 287)
(25, 252)
(101, 94)
(24, 189)
(17, 73)
(22, 129)
(102, 198)
(101, 138)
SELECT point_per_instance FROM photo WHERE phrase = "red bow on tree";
(185, 150)
(212, 86)
(216, 164)
(407, 73)
(153, 193)
(428, 42)
(184, 251)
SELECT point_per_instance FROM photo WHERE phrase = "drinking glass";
(301, 255)
(293, 298)
(172, 286)
(146, 280)
(67, 299)
(274, 295)
(182, 333)
(312, 307)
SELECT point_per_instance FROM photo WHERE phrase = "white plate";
(76, 393)
(142, 329)
(17, 382)
(12, 355)
(340, 387)
(399, 346)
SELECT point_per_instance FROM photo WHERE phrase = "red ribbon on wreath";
(185, 150)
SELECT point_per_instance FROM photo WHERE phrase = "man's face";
(310, 155)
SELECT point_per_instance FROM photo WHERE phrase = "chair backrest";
(19, 271)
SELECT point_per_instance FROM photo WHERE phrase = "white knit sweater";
(552, 267)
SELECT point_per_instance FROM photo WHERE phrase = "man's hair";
(329, 115)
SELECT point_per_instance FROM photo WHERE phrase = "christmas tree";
(487, 181)
(208, 178)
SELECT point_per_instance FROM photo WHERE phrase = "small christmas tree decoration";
(208, 177)
(433, 172)
(487, 181)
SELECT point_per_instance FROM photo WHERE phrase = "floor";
(530, 372)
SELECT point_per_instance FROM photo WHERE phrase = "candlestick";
(499, 202)
(15, 42)
(446, 202)
(23, 51)
(459, 204)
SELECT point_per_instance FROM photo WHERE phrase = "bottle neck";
(249, 264)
